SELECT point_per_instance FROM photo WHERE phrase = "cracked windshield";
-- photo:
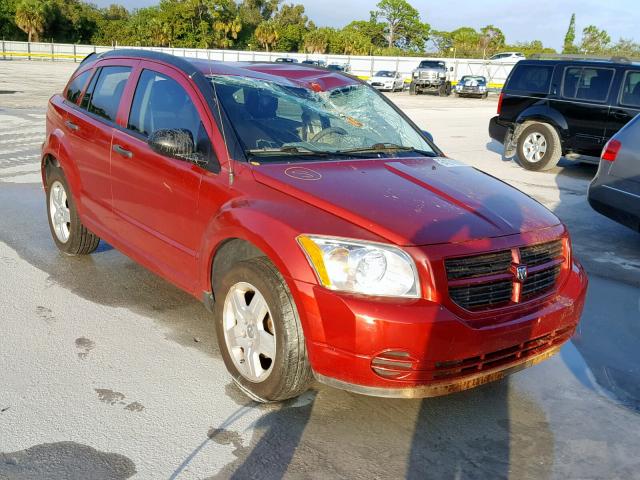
(287, 120)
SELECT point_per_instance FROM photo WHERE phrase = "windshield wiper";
(387, 147)
(298, 150)
(286, 150)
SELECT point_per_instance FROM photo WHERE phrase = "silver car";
(615, 190)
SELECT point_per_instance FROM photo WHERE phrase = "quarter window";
(109, 87)
(161, 103)
(584, 83)
(631, 89)
(531, 78)
(75, 88)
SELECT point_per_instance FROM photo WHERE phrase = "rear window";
(631, 89)
(75, 88)
(587, 83)
(531, 78)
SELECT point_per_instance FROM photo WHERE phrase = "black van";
(550, 108)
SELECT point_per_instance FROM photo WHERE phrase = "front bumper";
(442, 352)
(427, 83)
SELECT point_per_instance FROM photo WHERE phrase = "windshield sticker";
(448, 162)
(302, 173)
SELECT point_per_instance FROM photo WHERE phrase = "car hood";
(416, 201)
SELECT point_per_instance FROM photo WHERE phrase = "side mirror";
(428, 135)
(451, 69)
(176, 143)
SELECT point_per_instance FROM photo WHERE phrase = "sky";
(520, 20)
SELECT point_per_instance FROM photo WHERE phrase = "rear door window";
(108, 91)
(587, 83)
(75, 88)
(531, 78)
(631, 89)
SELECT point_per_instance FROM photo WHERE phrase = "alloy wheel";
(59, 211)
(249, 332)
(534, 147)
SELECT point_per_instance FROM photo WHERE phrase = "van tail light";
(500, 102)
(611, 149)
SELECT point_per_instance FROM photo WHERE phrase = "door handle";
(125, 153)
(71, 125)
(621, 115)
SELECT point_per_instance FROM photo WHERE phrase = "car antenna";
(224, 135)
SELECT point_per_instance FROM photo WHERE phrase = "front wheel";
(539, 147)
(68, 232)
(259, 332)
(412, 89)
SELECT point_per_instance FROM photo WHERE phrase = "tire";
(72, 237)
(412, 89)
(270, 379)
(544, 136)
(448, 89)
(486, 95)
(442, 90)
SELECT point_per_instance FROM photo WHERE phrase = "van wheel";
(539, 147)
(259, 332)
(68, 232)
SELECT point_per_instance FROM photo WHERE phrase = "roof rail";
(561, 56)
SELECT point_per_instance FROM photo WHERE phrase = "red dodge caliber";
(329, 236)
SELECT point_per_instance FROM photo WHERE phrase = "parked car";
(507, 57)
(316, 63)
(286, 60)
(339, 67)
(550, 108)
(387, 80)
(615, 190)
(431, 76)
(472, 86)
(329, 236)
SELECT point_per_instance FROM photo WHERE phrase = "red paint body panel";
(172, 216)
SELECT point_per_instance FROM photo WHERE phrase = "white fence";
(363, 66)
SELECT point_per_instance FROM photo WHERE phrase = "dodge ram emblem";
(521, 273)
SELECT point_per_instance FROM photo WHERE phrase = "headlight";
(361, 267)
(482, 88)
(415, 74)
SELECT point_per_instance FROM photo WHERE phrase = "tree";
(491, 40)
(531, 48)
(626, 47)
(570, 37)
(372, 29)
(31, 17)
(594, 41)
(466, 42)
(403, 27)
(266, 34)
(317, 41)
(8, 27)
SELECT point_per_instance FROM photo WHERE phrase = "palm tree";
(225, 29)
(31, 17)
(267, 34)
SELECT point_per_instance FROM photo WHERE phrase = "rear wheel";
(259, 332)
(539, 147)
(68, 232)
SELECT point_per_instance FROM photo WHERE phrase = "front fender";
(255, 223)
